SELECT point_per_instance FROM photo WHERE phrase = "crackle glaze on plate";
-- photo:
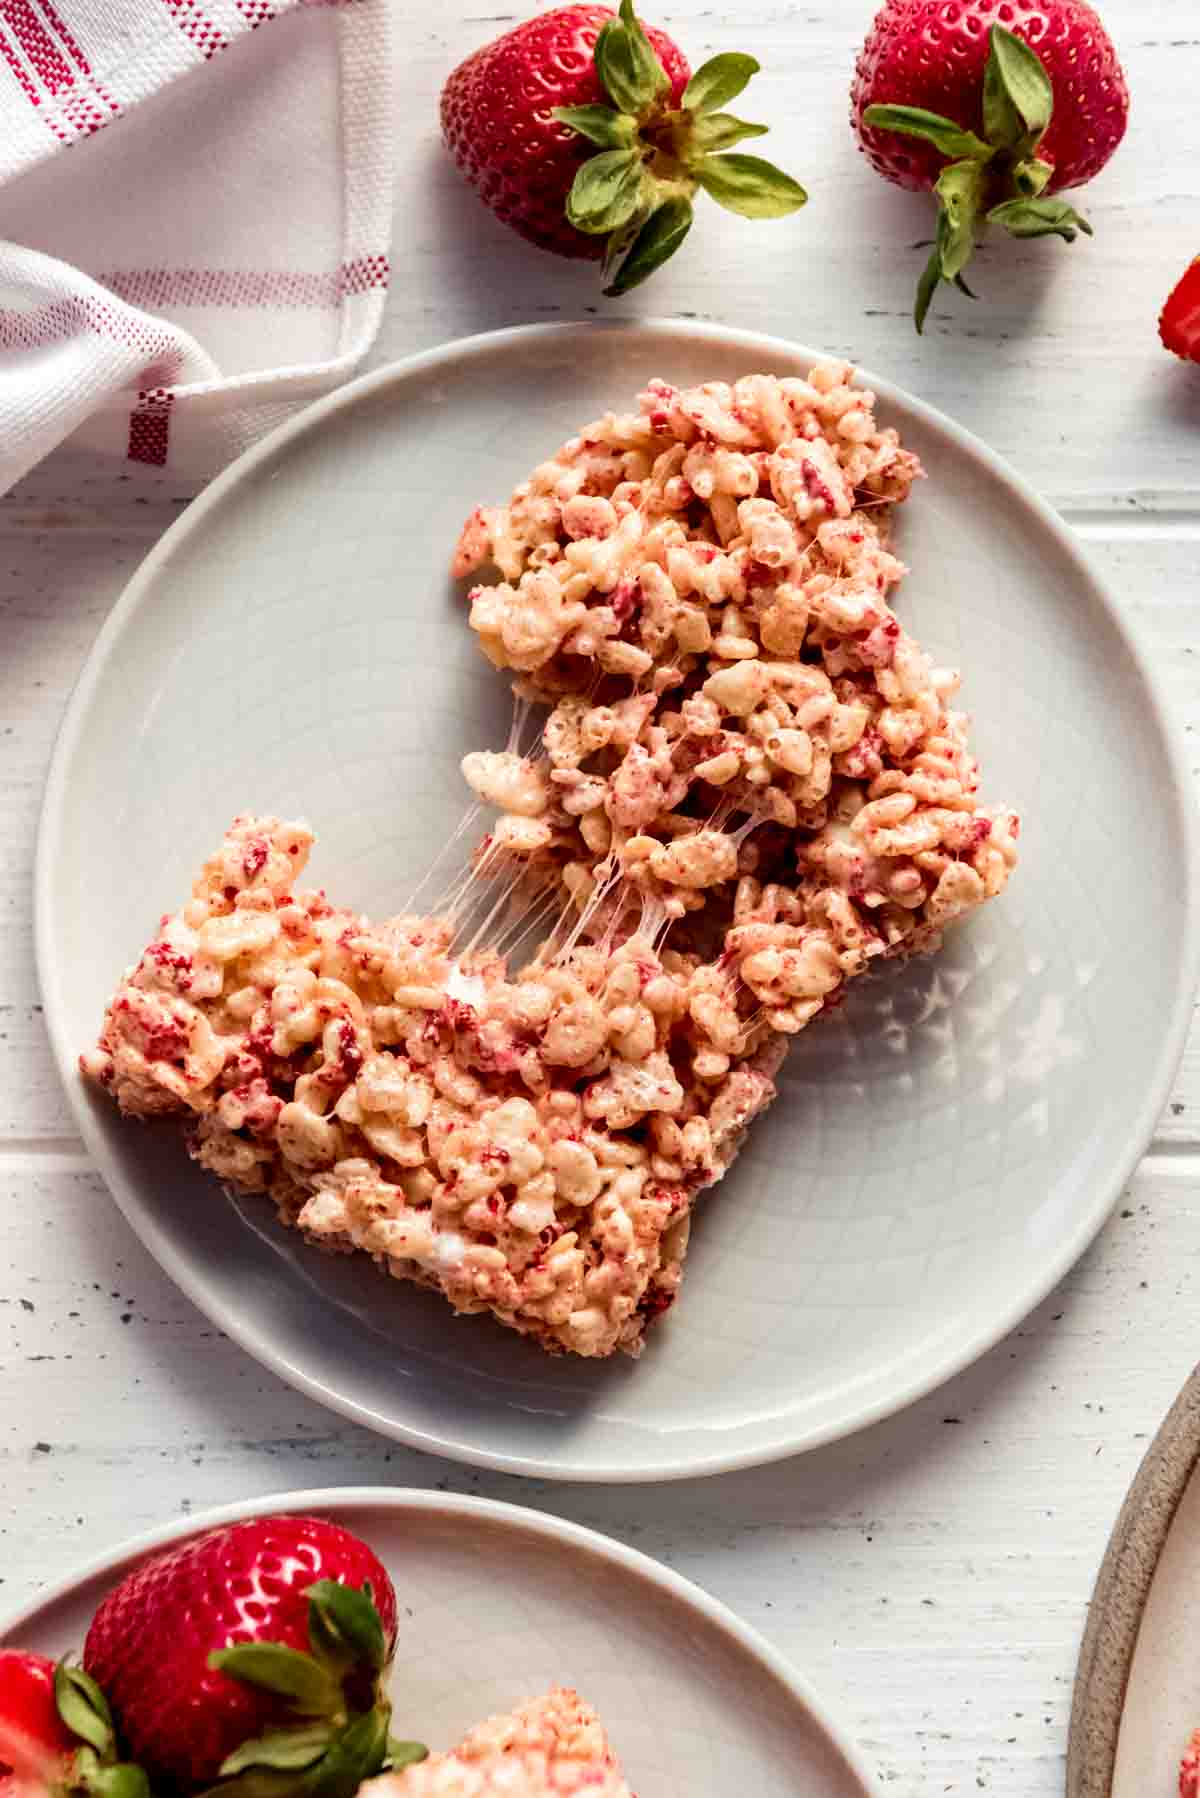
(944, 1146)
(497, 1604)
(1137, 1691)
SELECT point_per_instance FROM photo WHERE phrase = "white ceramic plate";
(498, 1604)
(1137, 1691)
(944, 1147)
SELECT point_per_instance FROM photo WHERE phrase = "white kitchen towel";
(195, 214)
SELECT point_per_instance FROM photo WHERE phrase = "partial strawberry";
(995, 120)
(33, 1737)
(1189, 1769)
(256, 1656)
(586, 132)
(1179, 321)
(57, 1735)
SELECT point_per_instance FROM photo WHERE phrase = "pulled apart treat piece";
(750, 786)
(742, 733)
(531, 1146)
(551, 1747)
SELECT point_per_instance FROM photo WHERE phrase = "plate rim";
(561, 1532)
(665, 1464)
(1121, 1592)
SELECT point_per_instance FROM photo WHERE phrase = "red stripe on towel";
(149, 427)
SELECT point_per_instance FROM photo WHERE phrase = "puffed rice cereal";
(551, 1747)
(531, 1145)
(750, 786)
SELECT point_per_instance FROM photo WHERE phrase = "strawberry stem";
(335, 1743)
(637, 192)
(998, 179)
(93, 1769)
(84, 1708)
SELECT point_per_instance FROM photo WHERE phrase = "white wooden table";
(930, 1575)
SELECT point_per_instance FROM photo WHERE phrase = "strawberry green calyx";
(93, 1768)
(637, 191)
(338, 1735)
(996, 179)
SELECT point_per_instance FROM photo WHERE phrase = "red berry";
(932, 53)
(584, 130)
(498, 124)
(1189, 1770)
(1179, 322)
(151, 1637)
(31, 1730)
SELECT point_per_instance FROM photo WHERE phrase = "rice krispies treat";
(741, 727)
(745, 752)
(551, 1747)
(530, 1146)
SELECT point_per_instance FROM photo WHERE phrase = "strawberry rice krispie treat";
(741, 727)
(531, 1146)
(750, 785)
(551, 1747)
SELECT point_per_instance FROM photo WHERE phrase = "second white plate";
(498, 1604)
(943, 1148)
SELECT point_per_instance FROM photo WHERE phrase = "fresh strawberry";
(56, 1733)
(588, 134)
(34, 1740)
(1189, 1770)
(1179, 321)
(995, 104)
(260, 1646)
